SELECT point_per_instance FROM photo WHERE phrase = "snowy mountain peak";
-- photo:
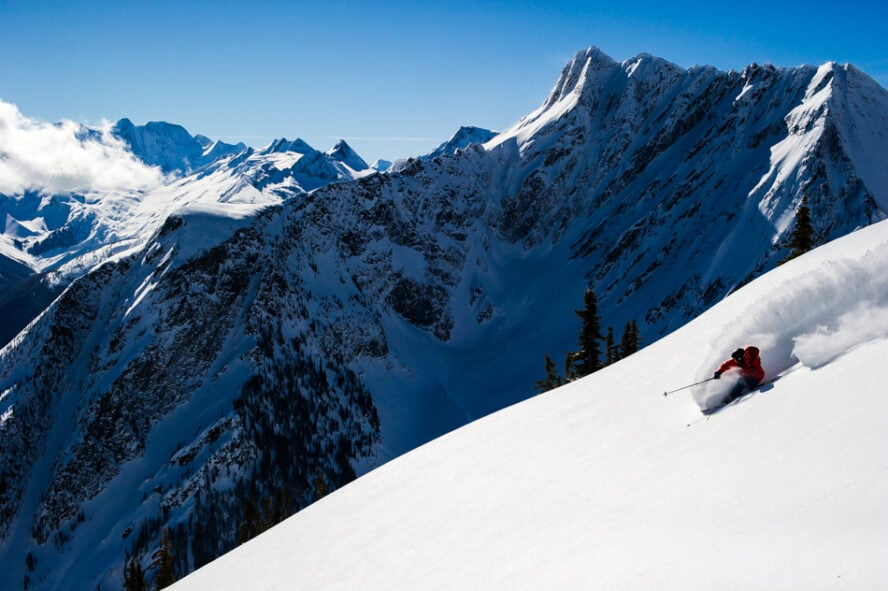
(645, 65)
(284, 145)
(464, 137)
(593, 80)
(203, 140)
(170, 147)
(217, 149)
(755, 70)
(162, 144)
(573, 76)
(381, 165)
(856, 105)
(344, 153)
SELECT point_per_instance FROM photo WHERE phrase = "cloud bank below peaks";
(66, 158)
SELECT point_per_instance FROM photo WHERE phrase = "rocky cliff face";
(238, 364)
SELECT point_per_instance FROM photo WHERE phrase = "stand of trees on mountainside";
(595, 350)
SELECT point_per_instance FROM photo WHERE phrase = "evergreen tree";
(630, 341)
(570, 371)
(267, 514)
(250, 526)
(611, 350)
(134, 576)
(281, 505)
(588, 358)
(320, 484)
(553, 380)
(801, 239)
(164, 561)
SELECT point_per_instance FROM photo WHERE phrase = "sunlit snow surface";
(602, 484)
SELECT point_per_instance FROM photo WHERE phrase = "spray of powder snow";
(819, 311)
(715, 391)
(829, 341)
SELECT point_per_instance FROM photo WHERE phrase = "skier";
(751, 372)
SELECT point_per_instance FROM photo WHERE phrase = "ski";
(708, 412)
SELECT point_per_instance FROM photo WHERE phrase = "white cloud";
(57, 158)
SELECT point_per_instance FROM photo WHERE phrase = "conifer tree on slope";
(134, 576)
(611, 349)
(163, 558)
(801, 239)
(588, 358)
(250, 526)
(630, 341)
(552, 380)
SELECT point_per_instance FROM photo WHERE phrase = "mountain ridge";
(60, 236)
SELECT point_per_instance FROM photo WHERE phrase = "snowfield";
(603, 484)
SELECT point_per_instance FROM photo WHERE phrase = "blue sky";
(392, 78)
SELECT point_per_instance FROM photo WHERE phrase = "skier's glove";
(716, 376)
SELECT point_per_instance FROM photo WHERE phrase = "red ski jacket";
(750, 366)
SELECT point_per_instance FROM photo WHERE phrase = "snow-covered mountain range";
(130, 179)
(240, 331)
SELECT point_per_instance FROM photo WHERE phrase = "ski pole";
(688, 386)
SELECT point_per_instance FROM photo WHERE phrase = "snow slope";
(602, 483)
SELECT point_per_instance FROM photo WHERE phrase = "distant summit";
(463, 138)
(344, 153)
(284, 145)
(170, 146)
(381, 165)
